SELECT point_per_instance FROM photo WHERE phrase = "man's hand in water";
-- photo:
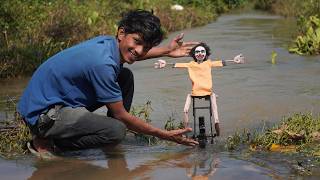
(177, 136)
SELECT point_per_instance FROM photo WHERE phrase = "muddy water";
(250, 94)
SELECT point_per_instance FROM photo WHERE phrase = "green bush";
(308, 43)
(14, 135)
(301, 131)
(42, 28)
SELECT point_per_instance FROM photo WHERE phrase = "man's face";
(131, 47)
(200, 53)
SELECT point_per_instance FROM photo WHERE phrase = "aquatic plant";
(14, 135)
(308, 43)
(172, 124)
(297, 133)
(237, 139)
(143, 112)
(273, 57)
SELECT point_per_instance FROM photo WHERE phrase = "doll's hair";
(206, 47)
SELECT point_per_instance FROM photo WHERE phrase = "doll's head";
(200, 52)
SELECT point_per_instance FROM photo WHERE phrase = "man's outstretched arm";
(176, 48)
(138, 125)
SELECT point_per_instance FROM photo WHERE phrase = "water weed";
(14, 135)
(273, 57)
(298, 133)
(143, 112)
(172, 124)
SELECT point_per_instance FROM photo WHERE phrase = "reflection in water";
(203, 166)
(81, 169)
(116, 167)
(197, 164)
(72, 168)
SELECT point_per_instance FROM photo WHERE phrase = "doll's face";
(200, 53)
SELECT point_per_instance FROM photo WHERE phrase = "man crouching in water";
(59, 101)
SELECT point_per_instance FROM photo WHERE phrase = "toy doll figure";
(201, 77)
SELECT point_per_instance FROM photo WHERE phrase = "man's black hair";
(206, 47)
(145, 24)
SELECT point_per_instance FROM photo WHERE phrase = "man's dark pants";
(78, 128)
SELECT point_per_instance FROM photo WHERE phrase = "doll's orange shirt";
(200, 76)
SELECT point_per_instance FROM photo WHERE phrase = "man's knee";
(117, 133)
(120, 130)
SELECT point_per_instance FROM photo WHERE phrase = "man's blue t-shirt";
(84, 75)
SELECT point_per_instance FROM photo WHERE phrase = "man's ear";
(121, 33)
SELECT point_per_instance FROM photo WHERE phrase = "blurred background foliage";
(307, 13)
(33, 30)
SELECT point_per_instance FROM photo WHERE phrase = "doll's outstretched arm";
(238, 59)
(161, 64)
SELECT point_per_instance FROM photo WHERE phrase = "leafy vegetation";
(308, 43)
(172, 124)
(143, 112)
(42, 28)
(298, 133)
(307, 12)
(14, 135)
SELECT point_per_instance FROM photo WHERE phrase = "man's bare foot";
(42, 148)
(42, 145)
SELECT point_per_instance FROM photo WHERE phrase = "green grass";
(172, 124)
(144, 112)
(298, 133)
(14, 135)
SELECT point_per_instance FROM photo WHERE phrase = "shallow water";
(249, 94)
